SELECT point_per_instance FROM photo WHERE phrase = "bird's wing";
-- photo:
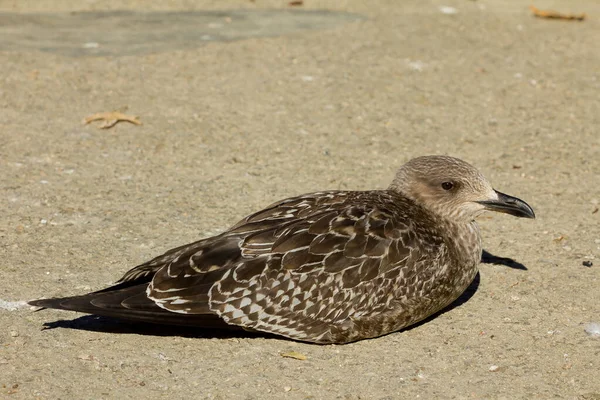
(300, 267)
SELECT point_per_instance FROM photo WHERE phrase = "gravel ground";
(233, 123)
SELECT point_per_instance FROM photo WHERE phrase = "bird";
(328, 267)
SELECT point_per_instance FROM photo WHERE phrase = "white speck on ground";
(448, 10)
(592, 329)
(416, 65)
(12, 305)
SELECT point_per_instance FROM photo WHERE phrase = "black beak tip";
(528, 214)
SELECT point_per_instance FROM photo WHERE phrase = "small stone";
(14, 334)
(287, 388)
(493, 368)
(587, 263)
(448, 10)
(593, 329)
(416, 65)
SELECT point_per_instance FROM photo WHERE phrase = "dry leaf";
(294, 354)
(111, 119)
(556, 15)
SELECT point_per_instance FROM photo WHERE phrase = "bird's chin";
(469, 212)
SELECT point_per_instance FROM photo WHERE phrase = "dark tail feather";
(131, 304)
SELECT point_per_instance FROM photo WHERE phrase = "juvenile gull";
(324, 267)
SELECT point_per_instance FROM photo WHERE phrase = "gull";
(324, 267)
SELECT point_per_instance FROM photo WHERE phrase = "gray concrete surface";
(229, 127)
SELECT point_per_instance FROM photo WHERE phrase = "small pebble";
(587, 263)
(448, 10)
(287, 388)
(592, 329)
(493, 368)
(14, 334)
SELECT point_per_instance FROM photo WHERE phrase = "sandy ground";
(230, 126)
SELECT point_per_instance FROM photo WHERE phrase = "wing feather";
(296, 268)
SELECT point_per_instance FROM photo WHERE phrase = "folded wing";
(297, 268)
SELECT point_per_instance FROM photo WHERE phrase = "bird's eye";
(447, 185)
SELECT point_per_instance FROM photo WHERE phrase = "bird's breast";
(465, 250)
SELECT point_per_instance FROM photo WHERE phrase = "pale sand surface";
(230, 126)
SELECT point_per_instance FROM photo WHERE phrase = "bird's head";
(454, 189)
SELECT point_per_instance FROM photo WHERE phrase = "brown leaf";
(293, 354)
(550, 14)
(111, 119)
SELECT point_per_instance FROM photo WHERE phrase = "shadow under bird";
(324, 267)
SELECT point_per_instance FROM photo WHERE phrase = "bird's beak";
(509, 205)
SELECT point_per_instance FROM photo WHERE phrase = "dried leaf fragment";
(293, 354)
(550, 14)
(111, 119)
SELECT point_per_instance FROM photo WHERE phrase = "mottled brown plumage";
(325, 267)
